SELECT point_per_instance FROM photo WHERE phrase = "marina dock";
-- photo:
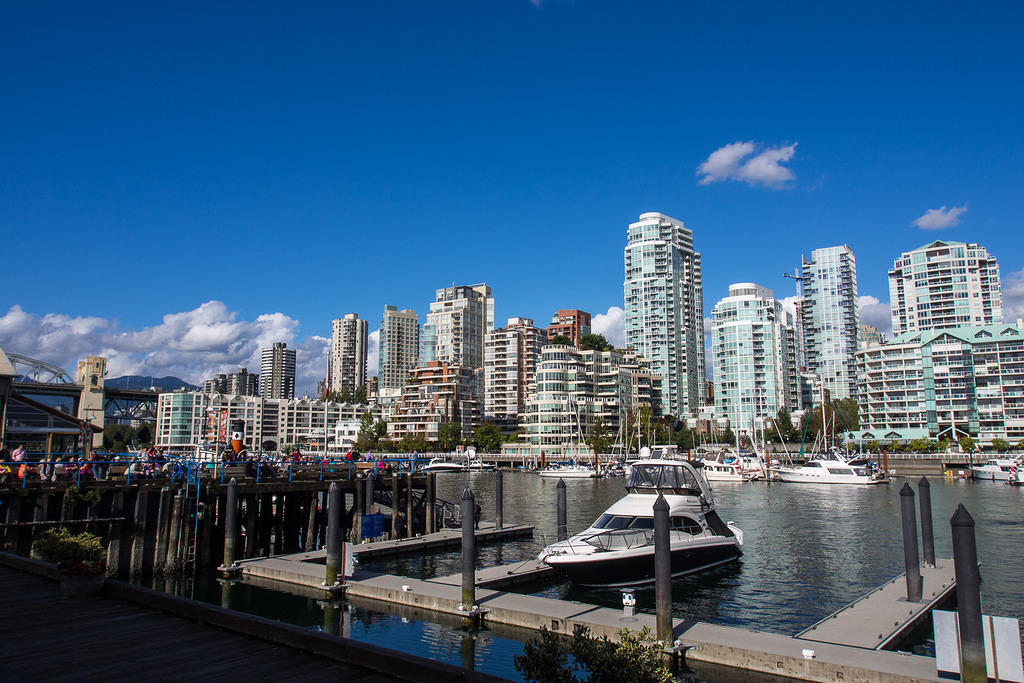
(881, 616)
(765, 653)
(306, 569)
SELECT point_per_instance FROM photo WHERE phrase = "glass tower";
(665, 308)
(830, 319)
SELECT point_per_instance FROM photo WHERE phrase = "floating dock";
(880, 617)
(306, 570)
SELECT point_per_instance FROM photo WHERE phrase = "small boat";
(1017, 477)
(568, 472)
(997, 469)
(479, 466)
(618, 548)
(830, 470)
(442, 465)
(724, 469)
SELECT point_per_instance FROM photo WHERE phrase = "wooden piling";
(171, 562)
(430, 493)
(138, 532)
(311, 518)
(408, 505)
(252, 507)
(163, 523)
(114, 544)
(394, 505)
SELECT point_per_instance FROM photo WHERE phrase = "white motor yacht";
(830, 470)
(442, 465)
(480, 466)
(724, 469)
(568, 472)
(618, 548)
(997, 469)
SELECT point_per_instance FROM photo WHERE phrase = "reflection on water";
(808, 551)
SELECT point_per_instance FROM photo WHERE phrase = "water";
(808, 551)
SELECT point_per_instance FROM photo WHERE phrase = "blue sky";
(234, 174)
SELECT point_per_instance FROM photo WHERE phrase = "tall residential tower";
(277, 372)
(349, 342)
(830, 318)
(458, 320)
(399, 346)
(664, 304)
(944, 285)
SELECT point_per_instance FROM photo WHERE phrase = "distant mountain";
(143, 382)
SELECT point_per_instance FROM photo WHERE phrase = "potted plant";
(79, 557)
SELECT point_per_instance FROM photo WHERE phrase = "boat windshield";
(659, 476)
(623, 522)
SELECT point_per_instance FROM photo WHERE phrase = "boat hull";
(637, 568)
(990, 475)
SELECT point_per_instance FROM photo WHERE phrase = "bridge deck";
(879, 617)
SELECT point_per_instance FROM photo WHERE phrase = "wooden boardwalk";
(133, 633)
(881, 616)
(47, 637)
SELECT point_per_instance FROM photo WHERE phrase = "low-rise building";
(187, 418)
(945, 383)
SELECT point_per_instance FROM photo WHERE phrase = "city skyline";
(507, 152)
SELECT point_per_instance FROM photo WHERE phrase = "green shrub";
(554, 658)
(79, 554)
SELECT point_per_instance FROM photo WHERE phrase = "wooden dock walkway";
(881, 616)
(764, 653)
(307, 570)
(132, 632)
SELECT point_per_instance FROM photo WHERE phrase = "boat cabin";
(667, 476)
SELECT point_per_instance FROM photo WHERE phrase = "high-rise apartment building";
(830, 318)
(240, 383)
(459, 318)
(398, 346)
(753, 349)
(569, 323)
(510, 361)
(942, 285)
(664, 304)
(277, 372)
(349, 338)
(436, 393)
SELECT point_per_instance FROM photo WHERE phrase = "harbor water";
(808, 550)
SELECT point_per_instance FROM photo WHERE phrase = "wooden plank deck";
(47, 637)
(879, 617)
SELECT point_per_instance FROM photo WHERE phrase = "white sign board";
(1002, 647)
(347, 563)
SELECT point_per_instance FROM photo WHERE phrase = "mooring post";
(662, 571)
(924, 490)
(468, 551)
(114, 545)
(162, 523)
(139, 532)
(230, 525)
(333, 531)
(409, 506)
(172, 565)
(968, 597)
(499, 494)
(311, 517)
(252, 507)
(561, 525)
(371, 482)
(430, 525)
(395, 509)
(911, 559)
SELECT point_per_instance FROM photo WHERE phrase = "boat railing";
(621, 539)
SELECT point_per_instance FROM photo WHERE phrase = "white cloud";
(1013, 296)
(191, 345)
(789, 303)
(738, 161)
(373, 354)
(612, 325)
(937, 219)
(876, 313)
(708, 324)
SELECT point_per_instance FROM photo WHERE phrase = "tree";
(920, 445)
(1000, 445)
(847, 414)
(784, 424)
(488, 437)
(448, 435)
(1020, 445)
(873, 446)
(367, 437)
(599, 440)
(412, 444)
(636, 658)
(728, 437)
(360, 395)
(594, 342)
(684, 438)
(966, 444)
(560, 339)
